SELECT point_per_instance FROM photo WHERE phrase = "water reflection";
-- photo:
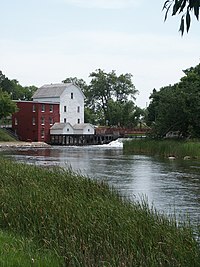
(172, 186)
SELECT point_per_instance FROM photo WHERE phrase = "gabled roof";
(60, 125)
(81, 126)
(53, 90)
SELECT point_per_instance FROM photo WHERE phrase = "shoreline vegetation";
(55, 217)
(166, 148)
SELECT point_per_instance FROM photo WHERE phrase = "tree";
(15, 90)
(7, 106)
(166, 111)
(90, 116)
(2, 76)
(28, 92)
(190, 88)
(107, 92)
(79, 82)
(177, 107)
(185, 7)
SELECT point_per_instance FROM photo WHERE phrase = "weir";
(81, 139)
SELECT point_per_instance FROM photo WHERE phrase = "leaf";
(175, 8)
(181, 29)
(182, 6)
(166, 13)
(188, 20)
(166, 4)
(196, 9)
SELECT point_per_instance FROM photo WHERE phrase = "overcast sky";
(46, 41)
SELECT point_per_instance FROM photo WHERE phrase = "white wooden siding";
(72, 115)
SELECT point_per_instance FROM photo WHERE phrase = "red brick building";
(33, 120)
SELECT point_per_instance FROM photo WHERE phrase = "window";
(51, 108)
(33, 121)
(42, 133)
(33, 107)
(72, 95)
(65, 120)
(78, 121)
(88, 130)
(67, 129)
(50, 121)
(16, 122)
(65, 109)
(42, 120)
(43, 107)
(78, 109)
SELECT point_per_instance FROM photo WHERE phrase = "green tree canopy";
(177, 107)
(184, 7)
(108, 93)
(15, 90)
(7, 106)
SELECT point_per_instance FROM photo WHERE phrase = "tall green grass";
(86, 223)
(163, 147)
(23, 252)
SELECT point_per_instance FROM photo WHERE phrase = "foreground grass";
(87, 224)
(164, 148)
(19, 251)
(4, 137)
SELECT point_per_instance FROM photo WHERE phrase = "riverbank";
(14, 144)
(85, 223)
(167, 148)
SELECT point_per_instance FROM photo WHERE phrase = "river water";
(172, 186)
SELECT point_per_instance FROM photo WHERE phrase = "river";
(172, 186)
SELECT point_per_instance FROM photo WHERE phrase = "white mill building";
(71, 108)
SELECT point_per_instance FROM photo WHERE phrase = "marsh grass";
(88, 224)
(164, 148)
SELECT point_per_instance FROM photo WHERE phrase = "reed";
(166, 148)
(88, 224)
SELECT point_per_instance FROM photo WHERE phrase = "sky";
(46, 41)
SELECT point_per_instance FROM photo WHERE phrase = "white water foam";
(116, 143)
